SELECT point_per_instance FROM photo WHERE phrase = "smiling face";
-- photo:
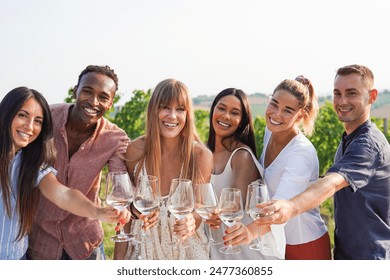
(352, 99)
(94, 96)
(172, 119)
(282, 113)
(227, 116)
(27, 124)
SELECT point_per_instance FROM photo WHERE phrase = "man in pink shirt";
(85, 143)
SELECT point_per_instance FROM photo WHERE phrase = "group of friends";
(52, 159)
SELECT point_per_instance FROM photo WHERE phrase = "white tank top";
(224, 180)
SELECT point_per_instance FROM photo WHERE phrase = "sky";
(209, 45)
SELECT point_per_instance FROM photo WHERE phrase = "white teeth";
(344, 109)
(274, 122)
(91, 111)
(24, 135)
(223, 124)
(170, 124)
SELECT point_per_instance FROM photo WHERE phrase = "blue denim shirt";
(10, 248)
(362, 210)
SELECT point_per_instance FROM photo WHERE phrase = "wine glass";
(230, 211)
(180, 199)
(206, 204)
(119, 194)
(147, 196)
(257, 193)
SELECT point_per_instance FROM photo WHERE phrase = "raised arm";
(280, 211)
(75, 202)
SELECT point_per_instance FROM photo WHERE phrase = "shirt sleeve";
(43, 171)
(358, 164)
(117, 160)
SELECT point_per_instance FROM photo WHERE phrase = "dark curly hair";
(105, 70)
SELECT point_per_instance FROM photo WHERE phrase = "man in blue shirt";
(359, 177)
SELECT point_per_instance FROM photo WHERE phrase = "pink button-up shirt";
(56, 229)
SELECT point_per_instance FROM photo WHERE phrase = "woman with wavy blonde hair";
(165, 92)
(170, 148)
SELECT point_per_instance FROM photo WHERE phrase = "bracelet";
(133, 215)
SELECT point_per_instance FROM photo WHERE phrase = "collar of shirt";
(347, 138)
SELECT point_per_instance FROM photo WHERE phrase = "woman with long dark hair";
(26, 155)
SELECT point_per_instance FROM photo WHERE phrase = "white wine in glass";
(205, 205)
(230, 211)
(181, 199)
(147, 196)
(257, 194)
(119, 194)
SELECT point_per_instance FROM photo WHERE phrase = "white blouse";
(289, 174)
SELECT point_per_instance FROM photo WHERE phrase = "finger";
(231, 235)
(149, 226)
(118, 227)
(184, 229)
(153, 217)
(233, 228)
(239, 240)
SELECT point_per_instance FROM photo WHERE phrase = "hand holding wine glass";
(205, 206)
(257, 194)
(147, 198)
(119, 194)
(181, 202)
(230, 211)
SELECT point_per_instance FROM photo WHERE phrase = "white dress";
(275, 237)
(158, 245)
(289, 174)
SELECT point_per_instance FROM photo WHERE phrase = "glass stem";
(211, 239)
(230, 246)
(259, 236)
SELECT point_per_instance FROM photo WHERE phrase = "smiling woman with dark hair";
(27, 151)
(232, 141)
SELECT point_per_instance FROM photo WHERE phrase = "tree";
(380, 123)
(259, 127)
(327, 136)
(202, 124)
(70, 98)
(132, 116)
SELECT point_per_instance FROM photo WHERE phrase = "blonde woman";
(170, 149)
(290, 164)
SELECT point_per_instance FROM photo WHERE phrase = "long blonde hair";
(166, 92)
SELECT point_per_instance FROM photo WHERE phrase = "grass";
(327, 213)
(109, 230)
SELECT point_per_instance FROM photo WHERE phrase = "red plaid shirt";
(56, 229)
